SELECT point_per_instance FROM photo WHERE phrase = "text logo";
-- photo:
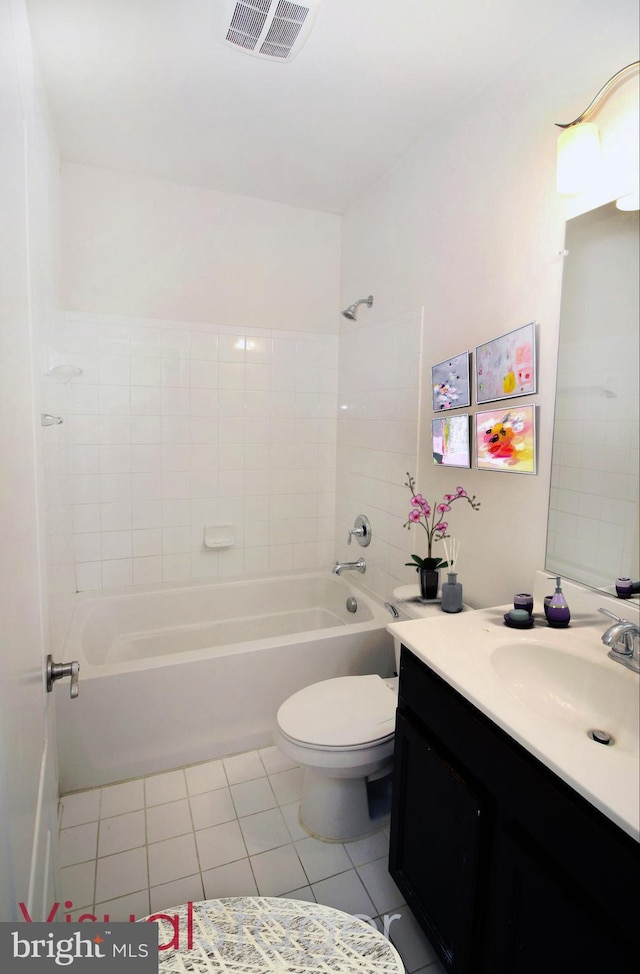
(38, 948)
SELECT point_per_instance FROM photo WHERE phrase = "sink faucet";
(623, 638)
(346, 566)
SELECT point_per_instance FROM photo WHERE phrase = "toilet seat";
(344, 713)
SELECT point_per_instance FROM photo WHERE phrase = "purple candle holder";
(523, 600)
(624, 587)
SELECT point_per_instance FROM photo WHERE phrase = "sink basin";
(579, 693)
(547, 689)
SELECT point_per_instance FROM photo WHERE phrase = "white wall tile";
(87, 547)
(114, 400)
(175, 567)
(116, 544)
(145, 371)
(88, 576)
(113, 370)
(145, 401)
(146, 429)
(115, 516)
(117, 573)
(146, 513)
(86, 518)
(175, 512)
(176, 425)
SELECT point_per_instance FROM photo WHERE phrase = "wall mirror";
(593, 527)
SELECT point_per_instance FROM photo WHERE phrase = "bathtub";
(178, 675)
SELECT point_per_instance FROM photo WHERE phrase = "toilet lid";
(348, 711)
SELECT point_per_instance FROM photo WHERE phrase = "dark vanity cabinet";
(506, 868)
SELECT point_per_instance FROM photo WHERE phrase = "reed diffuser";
(451, 589)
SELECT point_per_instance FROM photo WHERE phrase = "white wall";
(469, 226)
(154, 249)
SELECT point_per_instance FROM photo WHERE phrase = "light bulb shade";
(579, 159)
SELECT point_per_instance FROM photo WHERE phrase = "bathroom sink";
(572, 690)
(547, 689)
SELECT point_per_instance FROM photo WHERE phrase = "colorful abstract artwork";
(506, 366)
(506, 439)
(450, 441)
(450, 383)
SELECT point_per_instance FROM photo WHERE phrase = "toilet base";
(341, 809)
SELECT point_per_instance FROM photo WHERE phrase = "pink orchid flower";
(431, 521)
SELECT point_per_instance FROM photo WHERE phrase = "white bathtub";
(177, 675)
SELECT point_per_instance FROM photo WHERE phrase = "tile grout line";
(292, 842)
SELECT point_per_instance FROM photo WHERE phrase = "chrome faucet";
(623, 638)
(346, 566)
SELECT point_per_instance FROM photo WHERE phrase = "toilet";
(341, 732)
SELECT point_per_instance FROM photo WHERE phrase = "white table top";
(260, 934)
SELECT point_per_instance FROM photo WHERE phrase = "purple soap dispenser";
(557, 612)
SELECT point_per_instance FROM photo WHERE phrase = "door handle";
(56, 671)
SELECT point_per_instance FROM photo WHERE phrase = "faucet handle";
(612, 615)
(361, 530)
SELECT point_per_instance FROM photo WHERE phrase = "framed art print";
(506, 439)
(450, 441)
(506, 366)
(450, 383)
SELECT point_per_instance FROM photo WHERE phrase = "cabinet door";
(435, 824)
(540, 921)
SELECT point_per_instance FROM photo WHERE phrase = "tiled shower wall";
(174, 426)
(380, 371)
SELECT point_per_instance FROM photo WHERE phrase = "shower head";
(350, 312)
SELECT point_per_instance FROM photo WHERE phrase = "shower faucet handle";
(361, 531)
(56, 671)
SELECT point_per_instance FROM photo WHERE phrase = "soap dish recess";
(219, 536)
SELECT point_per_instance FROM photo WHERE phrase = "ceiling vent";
(271, 29)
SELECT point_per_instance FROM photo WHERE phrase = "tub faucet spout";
(346, 566)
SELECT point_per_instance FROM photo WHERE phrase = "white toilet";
(341, 731)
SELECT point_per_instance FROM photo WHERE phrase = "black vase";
(429, 581)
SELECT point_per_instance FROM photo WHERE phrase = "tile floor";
(225, 828)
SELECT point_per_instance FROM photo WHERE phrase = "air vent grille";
(248, 23)
(283, 32)
(274, 29)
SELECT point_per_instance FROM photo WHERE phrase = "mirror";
(592, 534)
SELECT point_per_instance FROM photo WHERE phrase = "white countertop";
(475, 652)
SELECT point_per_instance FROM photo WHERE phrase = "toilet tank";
(410, 605)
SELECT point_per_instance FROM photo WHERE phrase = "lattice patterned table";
(258, 934)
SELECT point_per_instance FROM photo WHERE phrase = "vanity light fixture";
(579, 162)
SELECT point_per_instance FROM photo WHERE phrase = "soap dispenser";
(557, 611)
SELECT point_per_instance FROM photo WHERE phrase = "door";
(540, 919)
(28, 789)
(435, 837)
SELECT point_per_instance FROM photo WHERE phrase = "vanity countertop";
(546, 688)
